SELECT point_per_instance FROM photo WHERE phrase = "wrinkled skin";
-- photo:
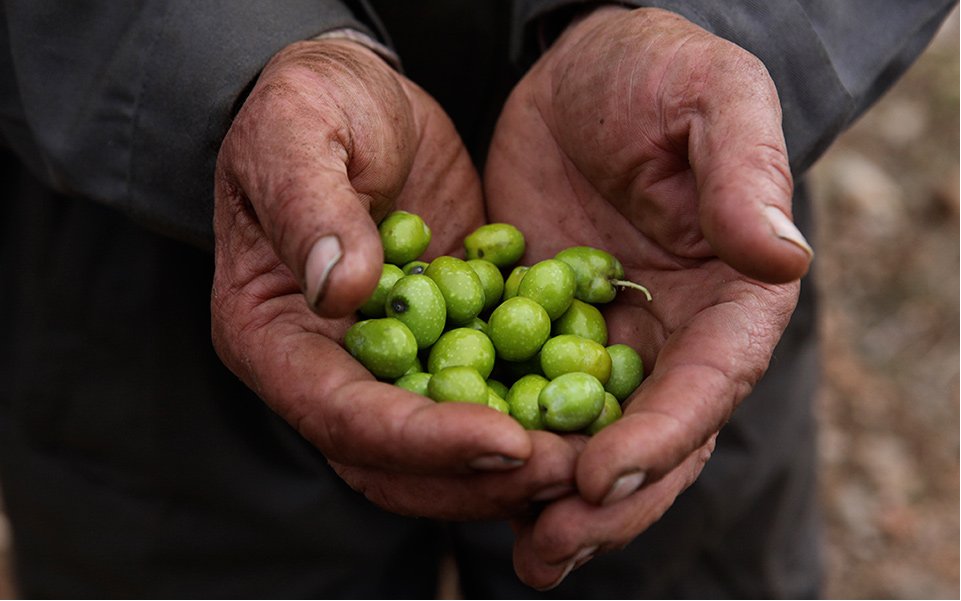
(636, 132)
(641, 134)
(330, 140)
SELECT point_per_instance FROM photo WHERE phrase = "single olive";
(500, 243)
(597, 272)
(568, 353)
(551, 284)
(374, 307)
(462, 347)
(491, 280)
(522, 398)
(518, 327)
(610, 413)
(494, 401)
(571, 401)
(404, 236)
(581, 319)
(475, 324)
(499, 387)
(415, 267)
(513, 281)
(417, 301)
(462, 289)
(385, 346)
(458, 383)
(416, 382)
(627, 371)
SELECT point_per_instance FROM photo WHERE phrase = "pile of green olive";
(532, 344)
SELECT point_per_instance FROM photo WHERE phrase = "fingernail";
(786, 230)
(322, 258)
(495, 463)
(624, 487)
(579, 559)
(555, 491)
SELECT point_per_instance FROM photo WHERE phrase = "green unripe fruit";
(415, 267)
(522, 398)
(627, 371)
(513, 281)
(518, 327)
(494, 401)
(571, 402)
(597, 273)
(500, 243)
(551, 284)
(462, 347)
(415, 367)
(417, 301)
(374, 307)
(384, 346)
(459, 383)
(499, 387)
(567, 353)
(462, 289)
(404, 236)
(491, 280)
(476, 324)
(582, 319)
(610, 413)
(416, 382)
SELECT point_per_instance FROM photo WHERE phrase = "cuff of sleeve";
(354, 35)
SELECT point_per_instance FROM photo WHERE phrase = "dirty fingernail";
(321, 260)
(495, 463)
(579, 559)
(786, 230)
(624, 487)
(555, 491)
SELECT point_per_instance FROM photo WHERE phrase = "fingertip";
(342, 269)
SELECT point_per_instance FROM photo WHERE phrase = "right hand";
(329, 141)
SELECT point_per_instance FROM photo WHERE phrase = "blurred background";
(887, 270)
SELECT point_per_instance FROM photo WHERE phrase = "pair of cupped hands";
(636, 132)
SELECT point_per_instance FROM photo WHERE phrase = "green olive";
(404, 236)
(627, 371)
(385, 346)
(500, 243)
(551, 284)
(415, 267)
(581, 319)
(462, 289)
(494, 401)
(571, 402)
(374, 307)
(491, 280)
(513, 281)
(416, 382)
(458, 383)
(462, 347)
(567, 353)
(518, 327)
(522, 398)
(417, 301)
(597, 273)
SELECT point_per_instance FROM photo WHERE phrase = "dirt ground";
(887, 271)
(887, 261)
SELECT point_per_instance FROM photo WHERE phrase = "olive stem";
(627, 284)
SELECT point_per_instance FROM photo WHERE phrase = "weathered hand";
(329, 140)
(642, 134)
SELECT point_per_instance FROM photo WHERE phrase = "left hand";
(642, 134)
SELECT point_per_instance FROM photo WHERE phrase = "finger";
(739, 159)
(570, 532)
(702, 372)
(301, 152)
(548, 475)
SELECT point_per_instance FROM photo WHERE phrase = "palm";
(616, 141)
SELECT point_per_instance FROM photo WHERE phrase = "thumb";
(744, 182)
(309, 151)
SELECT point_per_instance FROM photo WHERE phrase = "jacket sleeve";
(830, 60)
(126, 103)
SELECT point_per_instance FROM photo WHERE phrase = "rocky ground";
(887, 272)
